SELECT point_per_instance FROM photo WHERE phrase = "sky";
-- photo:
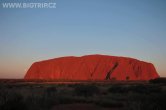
(130, 28)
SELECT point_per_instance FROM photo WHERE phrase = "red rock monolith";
(92, 67)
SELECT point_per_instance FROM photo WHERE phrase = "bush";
(117, 89)
(40, 102)
(147, 102)
(50, 91)
(158, 81)
(144, 89)
(12, 101)
(109, 103)
(86, 90)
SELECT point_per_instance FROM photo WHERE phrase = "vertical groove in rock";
(110, 71)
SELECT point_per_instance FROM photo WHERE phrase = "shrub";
(146, 102)
(158, 80)
(50, 91)
(40, 102)
(117, 89)
(144, 89)
(109, 103)
(86, 90)
(12, 101)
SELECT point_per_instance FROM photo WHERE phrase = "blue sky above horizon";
(130, 28)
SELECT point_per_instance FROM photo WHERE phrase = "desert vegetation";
(18, 95)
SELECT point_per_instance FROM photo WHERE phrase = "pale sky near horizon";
(130, 28)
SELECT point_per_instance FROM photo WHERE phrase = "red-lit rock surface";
(92, 67)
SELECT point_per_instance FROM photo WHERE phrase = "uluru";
(92, 67)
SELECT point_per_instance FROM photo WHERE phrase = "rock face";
(92, 67)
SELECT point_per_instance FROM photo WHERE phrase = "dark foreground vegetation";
(22, 95)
